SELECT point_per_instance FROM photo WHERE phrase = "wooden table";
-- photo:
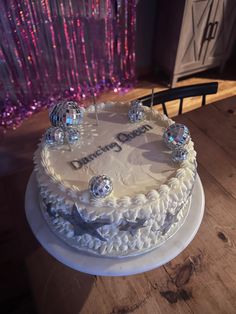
(202, 279)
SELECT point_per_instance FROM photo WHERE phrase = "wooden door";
(192, 46)
(223, 21)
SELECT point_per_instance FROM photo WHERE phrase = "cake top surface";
(135, 165)
(133, 155)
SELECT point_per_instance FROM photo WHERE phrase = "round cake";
(151, 192)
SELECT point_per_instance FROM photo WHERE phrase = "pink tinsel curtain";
(51, 49)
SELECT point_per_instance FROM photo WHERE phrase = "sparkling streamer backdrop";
(52, 49)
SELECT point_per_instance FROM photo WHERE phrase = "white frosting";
(146, 183)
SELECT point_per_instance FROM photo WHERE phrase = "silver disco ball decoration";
(100, 186)
(179, 154)
(136, 102)
(176, 135)
(66, 113)
(54, 136)
(72, 135)
(136, 112)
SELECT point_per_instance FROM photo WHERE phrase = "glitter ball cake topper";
(54, 136)
(100, 186)
(72, 135)
(66, 113)
(176, 135)
(65, 117)
(136, 112)
(179, 154)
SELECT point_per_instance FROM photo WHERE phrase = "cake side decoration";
(82, 226)
(49, 210)
(132, 226)
(169, 221)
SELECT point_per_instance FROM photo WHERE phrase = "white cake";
(151, 193)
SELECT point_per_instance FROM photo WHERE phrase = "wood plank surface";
(202, 279)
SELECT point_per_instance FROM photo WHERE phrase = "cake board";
(106, 266)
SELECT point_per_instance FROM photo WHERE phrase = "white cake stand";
(104, 266)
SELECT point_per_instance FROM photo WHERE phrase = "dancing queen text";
(113, 146)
